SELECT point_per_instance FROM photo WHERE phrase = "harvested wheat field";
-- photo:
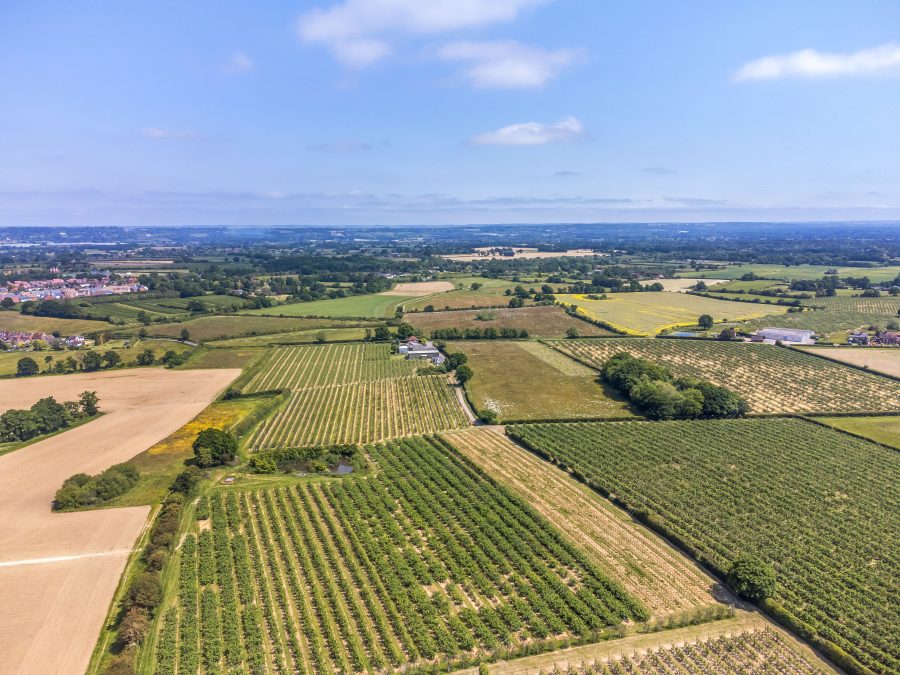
(420, 288)
(880, 359)
(58, 571)
(658, 575)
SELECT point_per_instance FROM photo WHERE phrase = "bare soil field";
(658, 575)
(679, 285)
(420, 288)
(546, 321)
(58, 572)
(880, 359)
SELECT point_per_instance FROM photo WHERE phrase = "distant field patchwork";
(771, 379)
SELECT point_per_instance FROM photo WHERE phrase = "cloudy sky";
(448, 111)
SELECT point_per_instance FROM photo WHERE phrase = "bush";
(214, 447)
(134, 627)
(187, 480)
(82, 490)
(464, 373)
(146, 591)
(752, 579)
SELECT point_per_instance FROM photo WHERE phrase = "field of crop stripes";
(362, 412)
(320, 365)
(429, 558)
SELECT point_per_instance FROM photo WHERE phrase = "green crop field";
(772, 379)
(545, 321)
(206, 328)
(820, 506)
(318, 365)
(294, 337)
(528, 380)
(427, 560)
(821, 321)
(789, 273)
(650, 313)
(886, 305)
(375, 305)
(350, 393)
(738, 285)
(362, 412)
(881, 428)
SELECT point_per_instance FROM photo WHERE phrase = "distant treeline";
(475, 333)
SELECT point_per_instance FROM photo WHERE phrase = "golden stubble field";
(58, 572)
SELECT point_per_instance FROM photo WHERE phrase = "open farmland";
(317, 365)
(14, 321)
(772, 379)
(420, 288)
(492, 293)
(887, 306)
(650, 313)
(208, 328)
(820, 506)
(362, 412)
(58, 571)
(351, 393)
(298, 337)
(880, 359)
(527, 380)
(659, 576)
(127, 350)
(544, 321)
(791, 272)
(881, 428)
(374, 305)
(429, 559)
(823, 322)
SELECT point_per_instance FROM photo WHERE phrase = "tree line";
(47, 416)
(661, 396)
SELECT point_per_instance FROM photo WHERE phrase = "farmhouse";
(792, 335)
(413, 349)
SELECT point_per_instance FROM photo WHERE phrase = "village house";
(791, 335)
(414, 350)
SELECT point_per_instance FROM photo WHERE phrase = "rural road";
(58, 571)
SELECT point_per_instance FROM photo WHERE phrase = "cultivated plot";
(428, 559)
(543, 321)
(58, 571)
(658, 575)
(528, 380)
(885, 305)
(649, 313)
(820, 506)
(772, 379)
(880, 359)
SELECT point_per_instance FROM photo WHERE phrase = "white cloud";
(533, 133)
(507, 64)
(238, 63)
(156, 133)
(354, 29)
(811, 63)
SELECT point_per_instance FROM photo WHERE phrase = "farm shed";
(792, 335)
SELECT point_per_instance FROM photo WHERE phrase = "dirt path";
(58, 572)
(463, 403)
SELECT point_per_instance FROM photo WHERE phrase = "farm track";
(661, 577)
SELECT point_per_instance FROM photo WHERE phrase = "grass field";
(528, 380)
(491, 294)
(876, 274)
(549, 322)
(738, 285)
(663, 579)
(126, 349)
(14, 321)
(821, 507)
(208, 328)
(884, 429)
(772, 379)
(232, 357)
(879, 359)
(427, 559)
(373, 305)
(298, 337)
(650, 313)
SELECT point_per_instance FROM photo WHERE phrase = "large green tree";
(213, 447)
(26, 367)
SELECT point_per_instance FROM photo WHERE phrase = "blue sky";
(448, 111)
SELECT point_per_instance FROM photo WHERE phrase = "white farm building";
(790, 335)
(412, 349)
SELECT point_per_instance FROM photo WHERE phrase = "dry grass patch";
(879, 359)
(549, 322)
